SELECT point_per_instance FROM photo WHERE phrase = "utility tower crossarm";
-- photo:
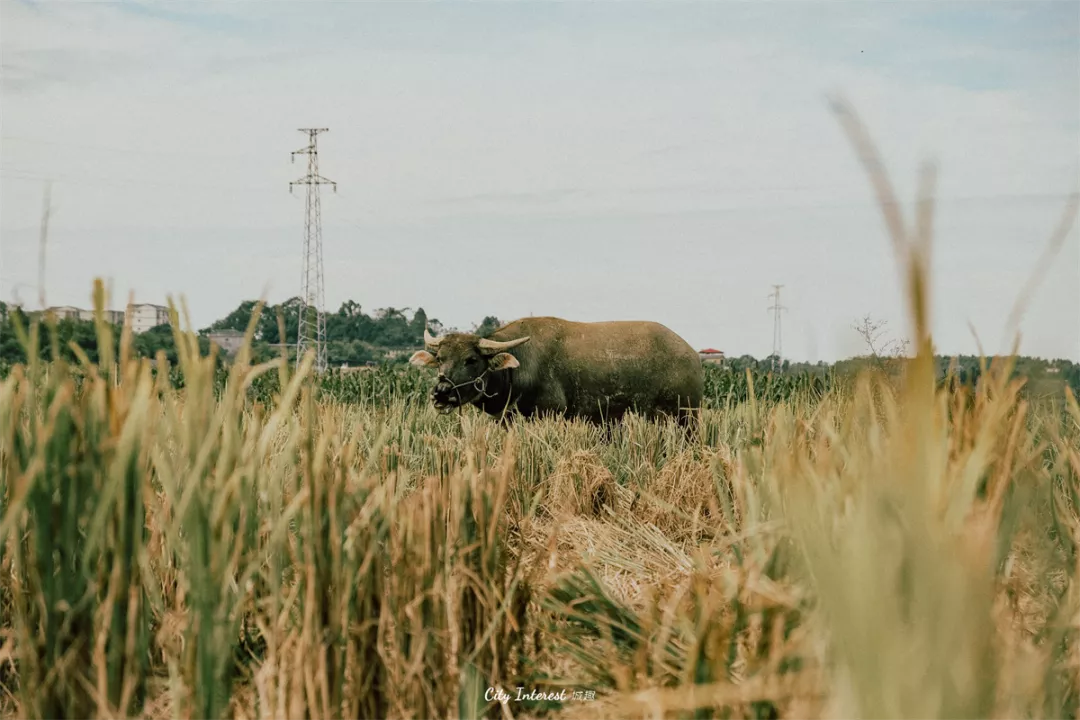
(312, 181)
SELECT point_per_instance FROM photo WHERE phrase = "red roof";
(711, 351)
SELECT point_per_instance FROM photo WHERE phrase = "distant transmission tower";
(312, 332)
(776, 308)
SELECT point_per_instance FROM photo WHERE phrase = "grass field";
(890, 549)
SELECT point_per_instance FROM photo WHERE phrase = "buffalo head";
(465, 363)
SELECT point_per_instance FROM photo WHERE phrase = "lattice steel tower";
(777, 344)
(312, 332)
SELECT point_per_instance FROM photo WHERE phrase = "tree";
(392, 328)
(350, 309)
(873, 332)
(239, 319)
(268, 322)
(884, 351)
(418, 325)
(11, 350)
(1072, 378)
(489, 325)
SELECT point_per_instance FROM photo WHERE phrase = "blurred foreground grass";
(883, 551)
(892, 549)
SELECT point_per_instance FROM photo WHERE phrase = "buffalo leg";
(689, 419)
(506, 419)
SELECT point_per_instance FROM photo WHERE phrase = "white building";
(66, 312)
(711, 355)
(228, 340)
(70, 312)
(146, 315)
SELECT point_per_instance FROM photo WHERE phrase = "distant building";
(146, 316)
(228, 340)
(70, 312)
(143, 317)
(346, 368)
(711, 355)
(65, 312)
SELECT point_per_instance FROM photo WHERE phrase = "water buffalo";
(550, 366)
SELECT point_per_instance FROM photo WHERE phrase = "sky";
(666, 161)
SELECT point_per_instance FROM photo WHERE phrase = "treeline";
(353, 337)
(389, 335)
(1043, 377)
(81, 333)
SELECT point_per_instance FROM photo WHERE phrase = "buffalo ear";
(423, 358)
(503, 361)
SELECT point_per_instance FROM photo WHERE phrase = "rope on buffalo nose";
(478, 384)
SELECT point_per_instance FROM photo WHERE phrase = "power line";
(14, 286)
(312, 331)
(776, 308)
(15, 173)
(97, 181)
(126, 151)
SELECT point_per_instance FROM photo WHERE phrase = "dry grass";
(892, 550)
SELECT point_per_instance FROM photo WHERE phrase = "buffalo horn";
(429, 341)
(490, 347)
